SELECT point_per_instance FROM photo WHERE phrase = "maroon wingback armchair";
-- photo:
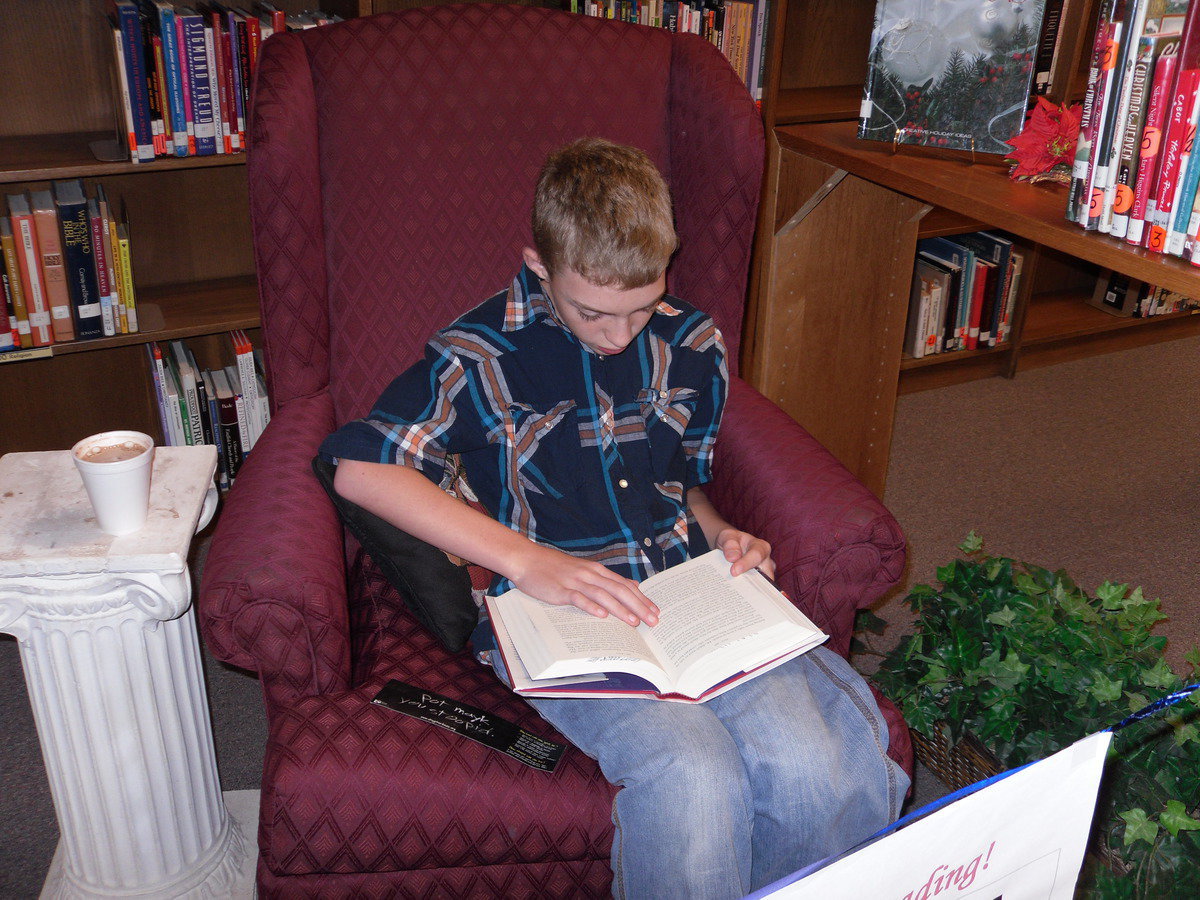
(391, 168)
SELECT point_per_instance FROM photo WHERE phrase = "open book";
(714, 632)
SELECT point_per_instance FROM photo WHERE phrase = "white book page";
(705, 612)
(557, 641)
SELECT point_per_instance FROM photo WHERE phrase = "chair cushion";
(351, 786)
(434, 589)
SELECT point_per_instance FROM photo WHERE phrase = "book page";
(704, 610)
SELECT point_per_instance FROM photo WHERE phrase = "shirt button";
(646, 541)
(623, 483)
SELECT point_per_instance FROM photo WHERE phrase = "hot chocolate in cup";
(115, 467)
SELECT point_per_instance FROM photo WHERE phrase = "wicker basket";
(960, 765)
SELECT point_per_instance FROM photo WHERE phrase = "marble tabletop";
(47, 526)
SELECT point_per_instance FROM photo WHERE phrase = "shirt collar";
(528, 303)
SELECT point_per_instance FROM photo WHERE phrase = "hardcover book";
(952, 74)
(714, 631)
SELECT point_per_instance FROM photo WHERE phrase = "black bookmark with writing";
(471, 722)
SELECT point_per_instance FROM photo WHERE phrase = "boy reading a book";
(584, 404)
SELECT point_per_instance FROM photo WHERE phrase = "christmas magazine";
(954, 74)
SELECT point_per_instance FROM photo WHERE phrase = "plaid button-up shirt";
(593, 455)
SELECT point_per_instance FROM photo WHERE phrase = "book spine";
(185, 83)
(95, 225)
(127, 277)
(244, 354)
(240, 53)
(29, 259)
(132, 44)
(230, 440)
(201, 85)
(1149, 151)
(122, 80)
(1182, 116)
(1122, 191)
(167, 136)
(10, 338)
(12, 272)
(170, 50)
(216, 73)
(1090, 117)
(1047, 46)
(157, 129)
(81, 274)
(1101, 163)
(54, 275)
(206, 424)
(154, 355)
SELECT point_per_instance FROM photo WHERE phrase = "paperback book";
(952, 74)
(714, 632)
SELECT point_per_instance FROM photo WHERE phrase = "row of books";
(67, 273)
(1121, 295)
(225, 406)
(963, 293)
(738, 28)
(1135, 175)
(183, 72)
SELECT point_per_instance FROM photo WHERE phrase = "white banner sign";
(1021, 837)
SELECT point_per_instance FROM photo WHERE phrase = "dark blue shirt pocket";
(667, 415)
(542, 447)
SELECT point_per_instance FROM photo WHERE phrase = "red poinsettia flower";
(1047, 141)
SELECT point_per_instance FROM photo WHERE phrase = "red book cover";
(1180, 130)
(1146, 178)
(29, 260)
(978, 292)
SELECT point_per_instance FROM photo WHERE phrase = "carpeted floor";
(1085, 466)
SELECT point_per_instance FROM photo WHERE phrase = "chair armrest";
(836, 547)
(273, 590)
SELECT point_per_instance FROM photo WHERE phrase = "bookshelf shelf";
(1058, 317)
(174, 312)
(48, 157)
(796, 106)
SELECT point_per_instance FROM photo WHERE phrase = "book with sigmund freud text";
(714, 632)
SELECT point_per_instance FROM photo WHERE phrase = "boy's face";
(605, 319)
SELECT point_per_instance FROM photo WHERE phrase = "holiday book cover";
(952, 74)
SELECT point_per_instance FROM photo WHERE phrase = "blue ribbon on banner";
(1159, 704)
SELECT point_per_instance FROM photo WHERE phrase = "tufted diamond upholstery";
(391, 167)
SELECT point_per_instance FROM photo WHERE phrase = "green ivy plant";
(1028, 663)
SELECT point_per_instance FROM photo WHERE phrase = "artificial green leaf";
(1175, 818)
(1160, 675)
(868, 621)
(1003, 618)
(973, 543)
(1105, 689)
(1193, 659)
(1112, 596)
(1139, 826)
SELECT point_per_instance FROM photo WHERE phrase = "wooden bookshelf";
(189, 228)
(826, 328)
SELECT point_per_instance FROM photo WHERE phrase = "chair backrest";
(392, 162)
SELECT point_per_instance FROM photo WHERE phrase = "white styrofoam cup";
(119, 490)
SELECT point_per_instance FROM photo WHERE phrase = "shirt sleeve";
(701, 433)
(416, 421)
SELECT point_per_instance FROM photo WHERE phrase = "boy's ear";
(535, 263)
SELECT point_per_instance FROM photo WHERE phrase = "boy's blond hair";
(603, 210)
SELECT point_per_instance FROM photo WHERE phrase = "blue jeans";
(721, 798)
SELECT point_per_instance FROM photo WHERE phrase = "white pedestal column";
(108, 643)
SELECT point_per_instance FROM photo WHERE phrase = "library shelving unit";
(189, 224)
(837, 240)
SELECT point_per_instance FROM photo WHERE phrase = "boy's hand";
(560, 579)
(745, 551)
